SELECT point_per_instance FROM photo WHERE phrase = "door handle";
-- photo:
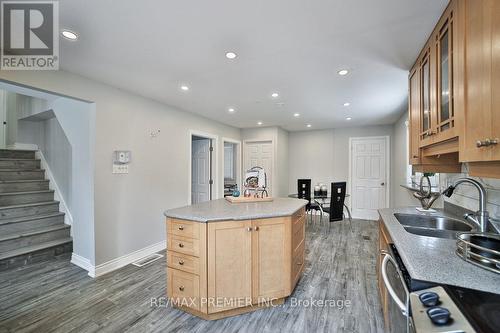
(394, 296)
(382, 184)
(249, 229)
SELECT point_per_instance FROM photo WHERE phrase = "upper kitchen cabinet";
(480, 140)
(414, 115)
(438, 72)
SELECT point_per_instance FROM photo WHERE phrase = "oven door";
(399, 297)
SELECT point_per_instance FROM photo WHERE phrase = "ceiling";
(293, 47)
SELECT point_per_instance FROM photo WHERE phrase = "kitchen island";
(224, 259)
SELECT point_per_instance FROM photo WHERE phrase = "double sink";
(433, 226)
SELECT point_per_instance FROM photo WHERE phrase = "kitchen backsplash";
(467, 196)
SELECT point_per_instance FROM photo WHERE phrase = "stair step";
(10, 186)
(13, 153)
(11, 163)
(27, 223)
(8, 212)
(19, 198)
(32, 249)
(15, 241)
(22, 174)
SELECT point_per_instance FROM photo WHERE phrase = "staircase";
(31, 227)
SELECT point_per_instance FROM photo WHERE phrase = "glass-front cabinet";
(425, 95)
(445, 63)
(437, 91)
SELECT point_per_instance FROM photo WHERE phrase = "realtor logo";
(29, 35)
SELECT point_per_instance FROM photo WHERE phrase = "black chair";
(304, 192)
(335, 209)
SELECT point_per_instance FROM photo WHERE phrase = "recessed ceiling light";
(68, 34)
(347, 104)
(343, 72)
(296, 114)
(308, 125)
(348, 118)
(184, 87)
(259, 123)
(231, 55)
(231, 110)
(274, 95)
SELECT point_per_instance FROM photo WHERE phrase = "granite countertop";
(434, 259)
(222, 210)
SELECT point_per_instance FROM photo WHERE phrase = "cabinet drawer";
(298, 215)
(184, 288)
(183, 262)
(298, 234)
(298, 262)
(183, 228)
(183, 245)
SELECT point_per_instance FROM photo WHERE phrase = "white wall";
(129, 208)
(401, 197)
(323, 155)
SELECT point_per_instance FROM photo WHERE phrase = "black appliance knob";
(439, 316)
(429, 299)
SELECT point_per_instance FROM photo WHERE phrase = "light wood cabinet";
(455, 86)
(271, 249)
(229, 265)
(482, 85)
(232, 267)
(383, 245)
(414, 115)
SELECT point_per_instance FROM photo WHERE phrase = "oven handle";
(401, 305)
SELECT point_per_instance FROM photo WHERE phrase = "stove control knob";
(429, 299)
(439, 316)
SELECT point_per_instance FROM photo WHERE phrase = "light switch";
(120, 168)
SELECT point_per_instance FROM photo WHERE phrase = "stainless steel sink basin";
(432, 226)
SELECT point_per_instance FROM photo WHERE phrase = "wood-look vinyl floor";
(56, 296)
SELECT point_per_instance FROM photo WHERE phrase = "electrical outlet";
(120, 168)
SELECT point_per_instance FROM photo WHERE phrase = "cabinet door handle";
(486, 143)
(249, 229)
(256, 229)
(181, 245)
(181, 228)
(181, 288)
(181, 262)
(415, 156)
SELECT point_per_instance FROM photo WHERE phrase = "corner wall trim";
(83, 263)
(99, 270)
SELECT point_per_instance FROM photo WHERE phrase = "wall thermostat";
(122, 157)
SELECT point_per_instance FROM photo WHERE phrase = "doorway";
(203, 171)
(232, 165)
(260, 154)
(369, 176)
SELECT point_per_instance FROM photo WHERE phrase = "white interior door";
(369, 176)
(200, 171)
(260, 154)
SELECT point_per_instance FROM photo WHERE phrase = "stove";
(449, 309)
(482, 309)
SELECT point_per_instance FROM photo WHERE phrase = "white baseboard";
(68, 217)
(99, 270)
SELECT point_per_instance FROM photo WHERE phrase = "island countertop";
(222, 210)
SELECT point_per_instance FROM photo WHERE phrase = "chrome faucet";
(481, 217)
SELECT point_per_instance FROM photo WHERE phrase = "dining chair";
(336, 206)
(304, 192)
